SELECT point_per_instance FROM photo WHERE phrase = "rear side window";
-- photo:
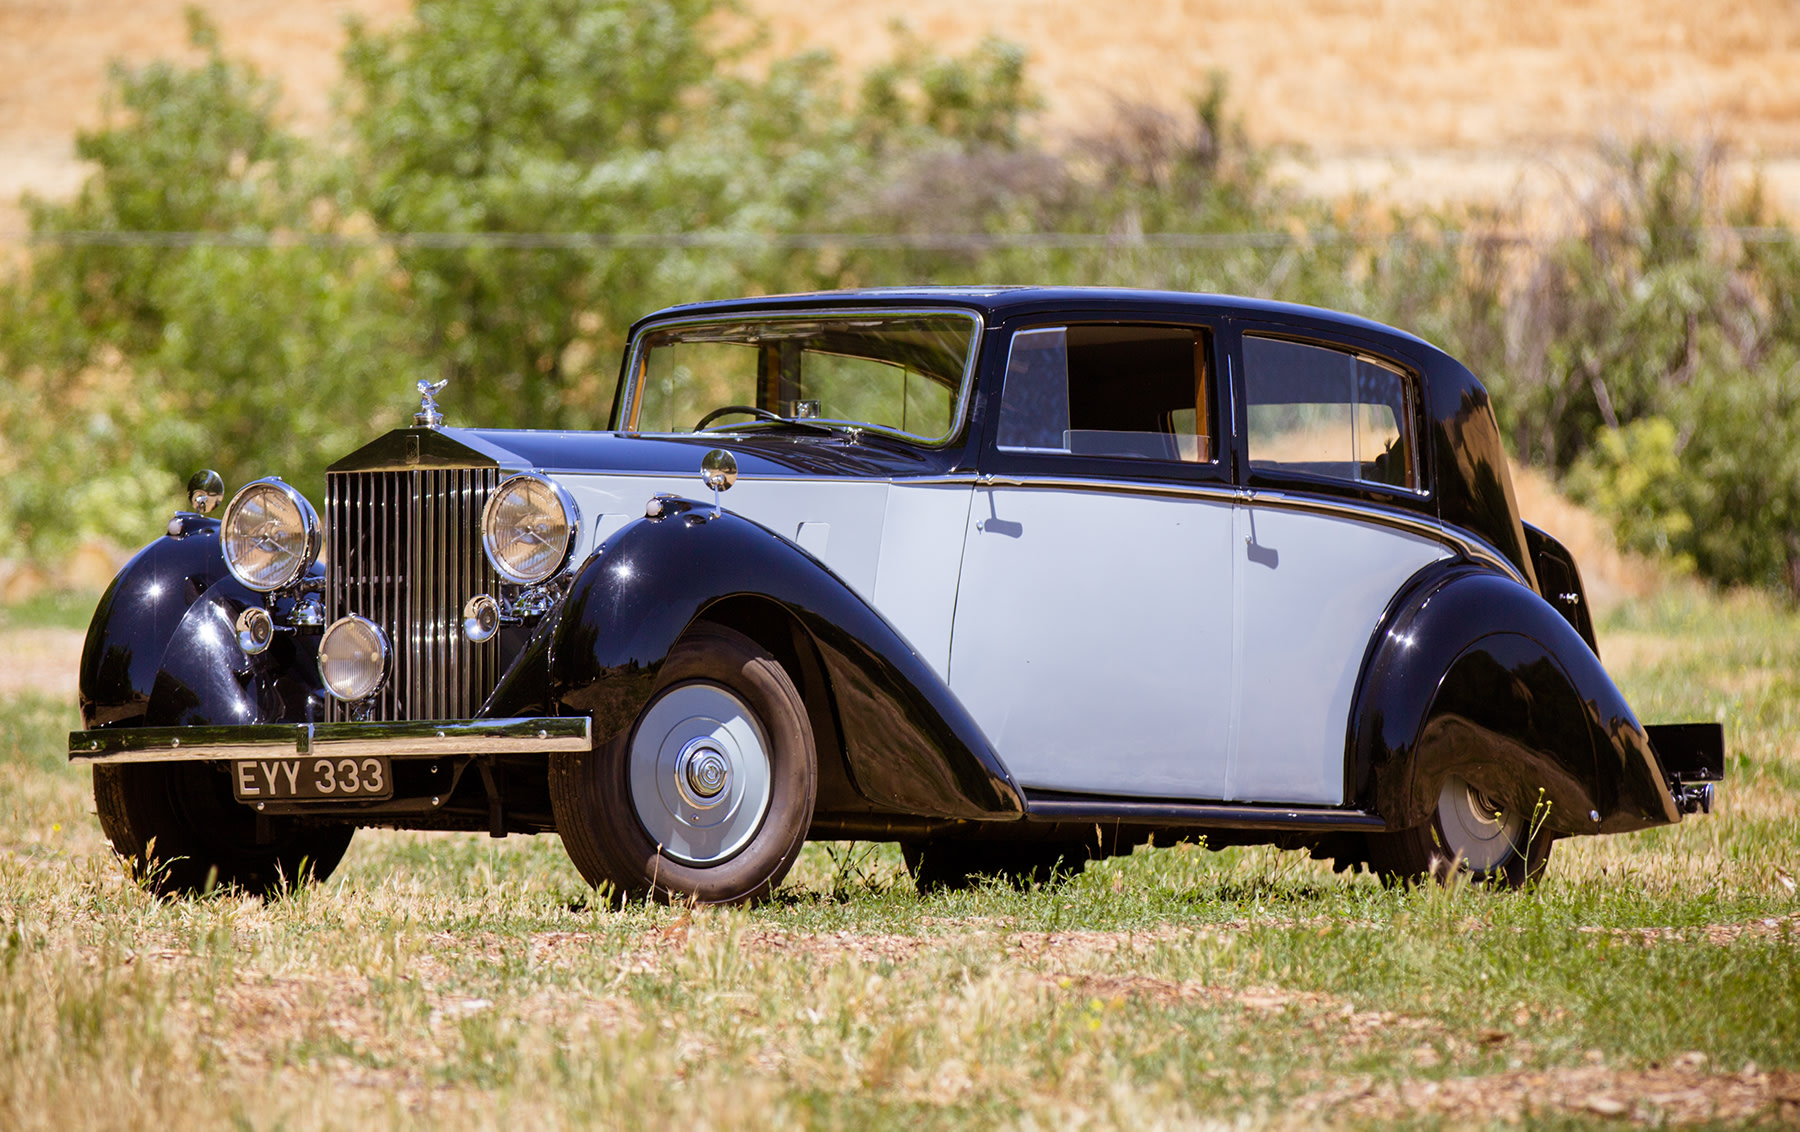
(1329, 412)
(1130, 392)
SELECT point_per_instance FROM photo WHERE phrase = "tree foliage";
(1644, 348)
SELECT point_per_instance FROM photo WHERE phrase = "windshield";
(904, 373)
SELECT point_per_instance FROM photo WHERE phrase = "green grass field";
(455, 981)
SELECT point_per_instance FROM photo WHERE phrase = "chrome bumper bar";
(351, 740)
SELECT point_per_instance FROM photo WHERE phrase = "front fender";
(161, 650)
(909, 743)
(1475, 674)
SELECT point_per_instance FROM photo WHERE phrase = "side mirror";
(718, 470)
(205, 488)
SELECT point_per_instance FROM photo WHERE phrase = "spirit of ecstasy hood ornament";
(428, 415)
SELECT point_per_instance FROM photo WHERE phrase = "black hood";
(761, 454)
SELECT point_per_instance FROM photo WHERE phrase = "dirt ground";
(1415, 100)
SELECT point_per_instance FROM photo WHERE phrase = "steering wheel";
(727, 410)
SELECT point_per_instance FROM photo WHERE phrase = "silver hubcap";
(700, 779)
(1480, 834)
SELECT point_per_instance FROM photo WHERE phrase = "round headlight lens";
(353, 658)
(270, 535)
(528, 529)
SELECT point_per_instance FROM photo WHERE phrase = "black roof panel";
(998, 302)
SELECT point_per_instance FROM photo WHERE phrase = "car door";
(1093, 629)
(1332, 458)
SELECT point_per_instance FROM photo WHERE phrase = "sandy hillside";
(1418, 99)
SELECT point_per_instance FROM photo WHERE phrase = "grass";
(456, 981)
(51, 609)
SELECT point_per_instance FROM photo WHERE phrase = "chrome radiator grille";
(404, 550)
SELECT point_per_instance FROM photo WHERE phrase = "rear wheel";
(948, 864)
(182, 833)
(709, 795)
(1469, 834)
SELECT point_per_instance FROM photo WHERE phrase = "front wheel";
(709, 795)
(1469, 834)
(180, 831)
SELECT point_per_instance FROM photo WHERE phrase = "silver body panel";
(1311, 587)
(1092, 638)
(898, 545)
(1126, 638)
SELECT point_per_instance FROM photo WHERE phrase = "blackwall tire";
(181, 833)
(709, 795)
(1468, 836)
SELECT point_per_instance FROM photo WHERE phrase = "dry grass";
(453, 981)
(1420, 100)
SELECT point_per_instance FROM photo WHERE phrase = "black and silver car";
(1015, 577)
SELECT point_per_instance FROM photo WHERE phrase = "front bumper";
(412, 739)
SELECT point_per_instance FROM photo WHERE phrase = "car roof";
(998, 302)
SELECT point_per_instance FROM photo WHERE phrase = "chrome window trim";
(1415, 400)
(632, 395)
(1468, 545)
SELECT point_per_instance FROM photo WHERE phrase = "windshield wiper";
(770, 424)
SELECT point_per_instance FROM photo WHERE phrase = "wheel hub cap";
(703, 770)
(1479, 832)
(699, 773)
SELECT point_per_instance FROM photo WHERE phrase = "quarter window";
(1328, 412)
(1132, 392)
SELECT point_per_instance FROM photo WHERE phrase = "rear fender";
(909, 744)
(1475, 674)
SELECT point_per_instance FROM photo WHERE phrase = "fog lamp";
(353, 658)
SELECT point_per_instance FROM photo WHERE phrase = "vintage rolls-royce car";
(1015, 577)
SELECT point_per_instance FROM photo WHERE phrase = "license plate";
(263, 780)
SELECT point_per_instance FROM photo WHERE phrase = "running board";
(1049, 806)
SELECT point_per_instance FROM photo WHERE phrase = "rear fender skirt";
(162, 649)
(1474, 674)
(909, 744)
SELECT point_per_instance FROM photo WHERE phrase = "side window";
(1132, 392)
(1329, 413)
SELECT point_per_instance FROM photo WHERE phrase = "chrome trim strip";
(1152, 811)
(395, 740)
(1468, 545)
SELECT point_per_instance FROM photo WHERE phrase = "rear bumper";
(1693, 761)
(412, 739)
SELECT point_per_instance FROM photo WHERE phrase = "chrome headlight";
(528, 529)
(270, 535)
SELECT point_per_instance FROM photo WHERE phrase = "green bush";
(1634, 475)
(1645, 350)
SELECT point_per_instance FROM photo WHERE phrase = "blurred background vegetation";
(1644, 344)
